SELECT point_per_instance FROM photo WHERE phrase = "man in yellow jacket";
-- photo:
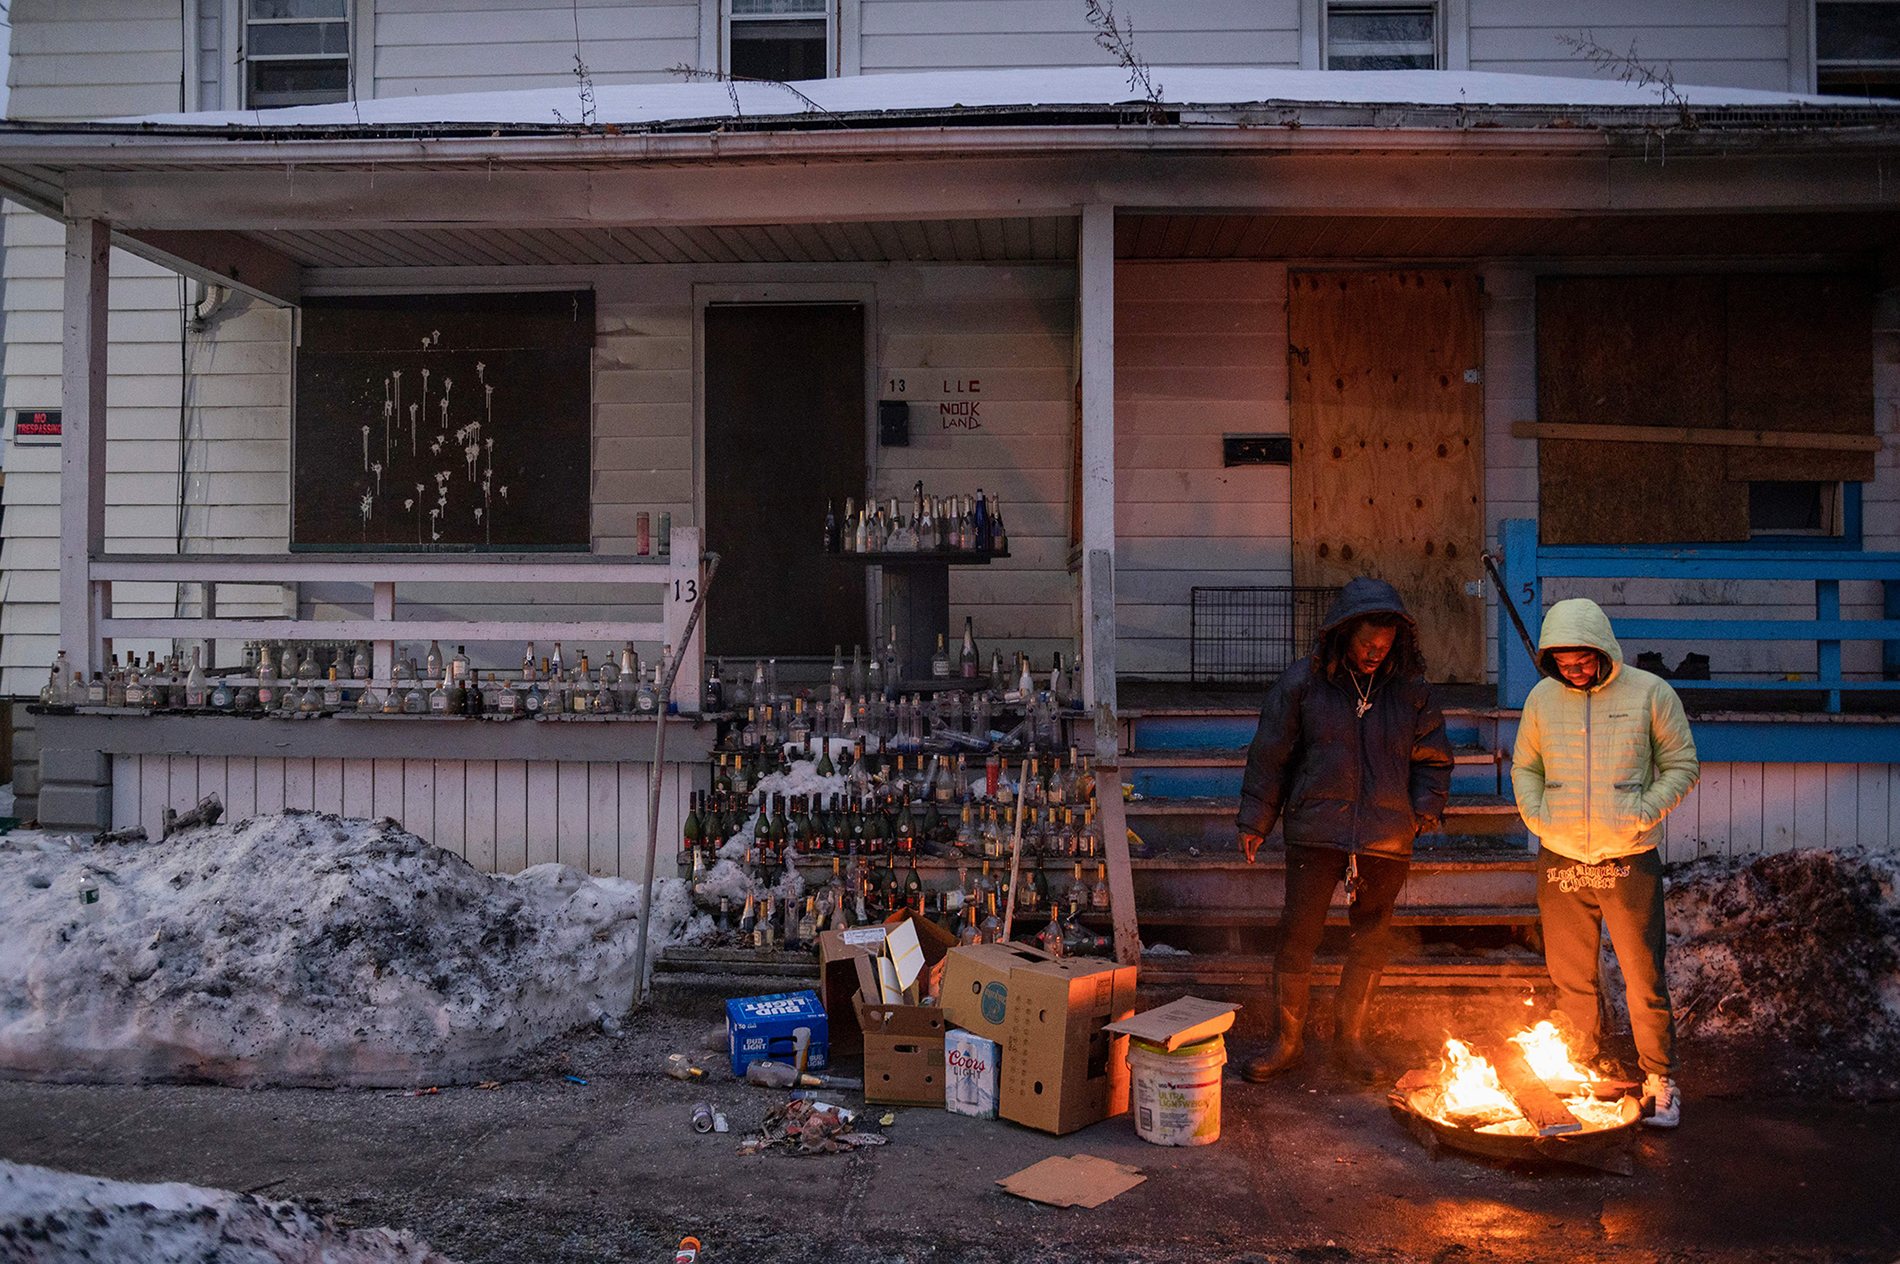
(1603, 753)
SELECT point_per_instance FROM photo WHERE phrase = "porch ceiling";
(1025, 239)
(1807, 233)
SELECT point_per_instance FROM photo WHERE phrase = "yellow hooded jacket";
(1597, 769)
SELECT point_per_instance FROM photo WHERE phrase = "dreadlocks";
(1404, 662)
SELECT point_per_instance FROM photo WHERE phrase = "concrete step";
(1206, 822)
(1211, 772)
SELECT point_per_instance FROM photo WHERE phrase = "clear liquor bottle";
(439, 698)
(332, 693)
(359, 662)
(940, 661)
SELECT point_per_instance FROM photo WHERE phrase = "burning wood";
(1529, 1086)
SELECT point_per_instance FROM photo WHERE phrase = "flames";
(1466, 1091)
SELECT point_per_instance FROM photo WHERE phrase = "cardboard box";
(1062, 1069)
(759, 1028)
(971, 1067)
(976, 986)
(839, 951)
(903, 1054)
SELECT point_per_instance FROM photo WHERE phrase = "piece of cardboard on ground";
(1186, 1021)
(1081, 1180)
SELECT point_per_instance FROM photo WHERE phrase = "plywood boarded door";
(1388, 446)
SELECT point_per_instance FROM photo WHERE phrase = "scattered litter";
(800, 1126)
(688, 1251)
(489, 1084)
(1081, 1180)
(573, 1079)
(719, 1123)
(702, 1117)
(890, 1117)
(681, 1068)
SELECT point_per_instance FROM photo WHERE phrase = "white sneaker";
(1664, 1100)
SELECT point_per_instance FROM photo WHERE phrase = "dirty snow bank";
(305, 949)
(52, 1215)
(1803, 947)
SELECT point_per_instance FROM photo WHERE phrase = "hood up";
(1366, 596)
(1577, 622)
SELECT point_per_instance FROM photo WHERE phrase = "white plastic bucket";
(1177, 1095)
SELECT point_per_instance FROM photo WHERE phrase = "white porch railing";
(677, 580)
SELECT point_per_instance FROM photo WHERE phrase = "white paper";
(906, 953)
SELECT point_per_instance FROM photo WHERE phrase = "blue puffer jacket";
(1334, 778)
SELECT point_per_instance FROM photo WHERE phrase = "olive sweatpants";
(1625, 896)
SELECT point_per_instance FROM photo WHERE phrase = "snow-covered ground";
(304, 949)
(51, 1215)
(1801, 947)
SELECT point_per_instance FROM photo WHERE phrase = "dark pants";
(1311, 875)
(1625, 896)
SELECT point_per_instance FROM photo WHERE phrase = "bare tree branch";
(1630, 69)
(732, 83)
(1117, 38)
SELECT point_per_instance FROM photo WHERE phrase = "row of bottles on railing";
(288, 680)
(943, 782)
(946, 524)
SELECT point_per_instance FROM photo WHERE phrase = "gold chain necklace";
(1365, 695)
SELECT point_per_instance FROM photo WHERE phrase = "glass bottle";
(414, 700)
(266, 684)
(125, 689)
(833, 544)
(307, 665)
(992, 924)
(439, 698)
(310, 699)
(432, 665)
(287, 663)
(332, 693)
(1098, 895)
(940, 661)
(367, 703)
(458, 666)
(999, 534)
(195, 680)
(645, 699)
(221, 695)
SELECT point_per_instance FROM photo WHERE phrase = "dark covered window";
(1794, 508)
(1381, 37)
(1857, 48)
(296, 52)
(779, 39)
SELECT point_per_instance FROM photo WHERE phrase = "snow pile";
(1803, 946)
(305, 949)
(59, 1216)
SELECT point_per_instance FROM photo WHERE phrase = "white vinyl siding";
(1200, 351)
(979, 34)
(435, 46)
(1732, 43)
(101, 59)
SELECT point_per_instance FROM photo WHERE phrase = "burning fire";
(1467, 1092)
(1549, 1056)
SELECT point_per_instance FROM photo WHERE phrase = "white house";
(1100, 289)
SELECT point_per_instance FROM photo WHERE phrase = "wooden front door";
(785, 432)
(1388, 446)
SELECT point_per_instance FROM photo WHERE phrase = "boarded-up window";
(443, 422)
(1778, 354)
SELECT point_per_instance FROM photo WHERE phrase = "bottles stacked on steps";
(892, 839)
(1004, 708)
(940, 524)
(289, 680)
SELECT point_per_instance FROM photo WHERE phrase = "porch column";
(82, 454)
(1097, 265)
(1096, 254)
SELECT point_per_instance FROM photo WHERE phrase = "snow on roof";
(939, 91)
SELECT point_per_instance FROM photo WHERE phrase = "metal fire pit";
(1605, 1149)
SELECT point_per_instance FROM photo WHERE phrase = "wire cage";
(1248, 636)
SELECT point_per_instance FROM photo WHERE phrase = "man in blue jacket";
(1352, 760)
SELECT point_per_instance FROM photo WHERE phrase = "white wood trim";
(1096, 262)
(362, 50)
(367, 568)
(365, 629)
(1454, 34)
(1801, 74)
(1310, 11)
(231, 42)
(849, 58)
(82, 458)
(188, 62)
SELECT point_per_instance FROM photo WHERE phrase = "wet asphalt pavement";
(1309, 1169)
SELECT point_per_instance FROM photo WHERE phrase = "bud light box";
(759, 1029)
(970, 1065)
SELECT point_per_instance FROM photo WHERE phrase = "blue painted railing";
(1527, 564)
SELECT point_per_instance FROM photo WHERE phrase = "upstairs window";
(296, 52)
(1857, 48)
(778, 39)
(1381, 37)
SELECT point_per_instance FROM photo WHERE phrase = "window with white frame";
(1857, 48)
(1381, 36)
(778, 39)
(296, 52)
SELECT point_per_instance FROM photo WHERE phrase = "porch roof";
(970, 166)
